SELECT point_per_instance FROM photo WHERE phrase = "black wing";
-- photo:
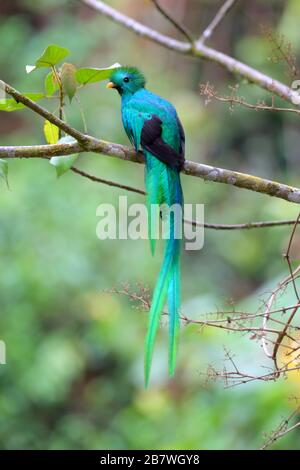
(152, 141)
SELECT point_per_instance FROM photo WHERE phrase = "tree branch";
(205, 172)
(57, 150)
(198, 50)
(222, 12)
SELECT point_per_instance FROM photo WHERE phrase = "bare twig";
(268, 308)
(278, 435)
(96, 179)
(208, 91)
(174, 22)
(222, 12)
(287, 324)
(247, 226)
(287, 256)
(282, 429)
(282, 285)
(282, 50)
(233, 379)
(142, 298)
(291, 279)
(283, 334)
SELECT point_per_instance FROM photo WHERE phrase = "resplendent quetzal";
(152, 124)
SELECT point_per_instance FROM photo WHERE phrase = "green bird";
(151, 124)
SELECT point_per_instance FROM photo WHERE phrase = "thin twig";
(281, 434)
(174, 22)
(246, 226)
(209, 92)
(223, 324)
(222, 12)
(269, 304)
(96, 179)
(61, 96)
(283, 334)
(291, 278)
(282, 51)
(244, 378)
(288, 257)
(282, 429)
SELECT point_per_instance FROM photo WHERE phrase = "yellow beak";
(110, 85)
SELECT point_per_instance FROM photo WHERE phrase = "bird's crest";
(133, 72)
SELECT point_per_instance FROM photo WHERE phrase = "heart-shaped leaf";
(63, 164)
(50, 57)
(92, 74)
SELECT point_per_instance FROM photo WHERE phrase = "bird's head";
(127, 80)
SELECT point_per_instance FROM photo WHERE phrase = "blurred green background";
(74, 372)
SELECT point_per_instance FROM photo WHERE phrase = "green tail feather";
(153, 197)
(174, 285)
(163, 186)
(158, 301)
(174, 319)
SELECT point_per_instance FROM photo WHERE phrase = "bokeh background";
(74, 372)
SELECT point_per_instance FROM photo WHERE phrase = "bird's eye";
(126, 80)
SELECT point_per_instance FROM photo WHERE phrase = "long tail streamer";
(164, 188)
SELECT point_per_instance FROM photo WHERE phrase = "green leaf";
(63, 164)
(68, 79)
(51, 84)
(92, 75)
(11, 105)
(4, 171)
(51, 132)
(50, 57)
